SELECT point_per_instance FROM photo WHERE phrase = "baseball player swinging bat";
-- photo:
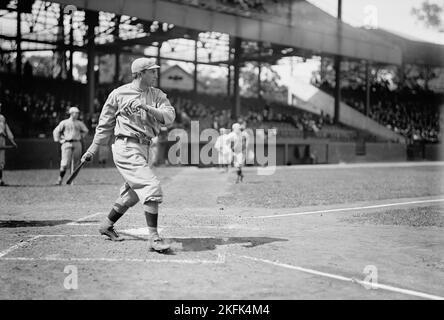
(75, 173)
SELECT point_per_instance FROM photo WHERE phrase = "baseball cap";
(235, 126)
(73, 109)
(141, 64)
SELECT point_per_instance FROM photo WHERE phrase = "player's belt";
(72, 140)
(146, 141)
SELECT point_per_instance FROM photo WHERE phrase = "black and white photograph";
(237, 152)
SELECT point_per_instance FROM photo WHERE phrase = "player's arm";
(57, 132)
(105, 127)
(10, 135)
(163, 111)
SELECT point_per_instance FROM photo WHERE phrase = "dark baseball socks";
(151, 216)
(151, 221)
(115, 214)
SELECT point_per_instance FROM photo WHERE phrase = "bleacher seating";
(35, 109)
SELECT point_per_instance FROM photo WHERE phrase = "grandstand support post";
(285, 154)
(61, 54)
(159, 57)
(367, 88)
(259, 83)
(116, 35)
(235, 112)
(71, 51)
(338, 59)
(18, 41)
(117, 67)
(90, 73)
(337, 87)
(195, 67)
(229, 81)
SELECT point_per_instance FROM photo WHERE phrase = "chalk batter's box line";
(364, 283)
(353, 208)
(76, 223)
(221, 257)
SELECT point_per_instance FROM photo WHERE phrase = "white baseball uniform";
(69, 133)
(133, 128)
(239, 141)
(223, 147)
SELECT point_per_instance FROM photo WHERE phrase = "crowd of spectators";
(216, 117)
(415, 114)
(33, 115)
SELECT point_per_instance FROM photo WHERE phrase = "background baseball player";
(5, 132)
(69, 133)
(238, 141)
(135, 112)
(223, 148)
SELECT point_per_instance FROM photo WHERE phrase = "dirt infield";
(332, 232)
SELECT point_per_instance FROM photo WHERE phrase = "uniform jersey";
(122, 115)
(69, 129)
(4, 129)
(223, 144)
(238, 141)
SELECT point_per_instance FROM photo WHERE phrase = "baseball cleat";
(159, 245)
(59, 181)
(111, 233)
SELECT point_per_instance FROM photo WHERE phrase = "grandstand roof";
(296, 24)
(415, 51)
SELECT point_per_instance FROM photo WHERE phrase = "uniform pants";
(141, 184)
(71, 154)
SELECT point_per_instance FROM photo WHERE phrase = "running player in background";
(238, 140)
(223, 148)
(69, 133)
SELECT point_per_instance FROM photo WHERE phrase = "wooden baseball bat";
(75, 173)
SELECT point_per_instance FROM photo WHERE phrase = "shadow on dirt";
(31, 186)
(205, 244)
(31, 223)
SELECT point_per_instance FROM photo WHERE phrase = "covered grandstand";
(216, 34)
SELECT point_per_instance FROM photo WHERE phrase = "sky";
(393, 15)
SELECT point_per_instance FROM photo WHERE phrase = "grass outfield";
(302, 233)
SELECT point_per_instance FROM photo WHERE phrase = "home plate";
(138, 232)
(143, 232)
